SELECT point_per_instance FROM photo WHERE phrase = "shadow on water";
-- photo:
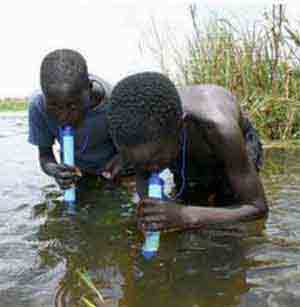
(42, 248)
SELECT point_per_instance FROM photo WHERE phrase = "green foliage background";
(258, 62)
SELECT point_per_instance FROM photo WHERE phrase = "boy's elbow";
(255, 211)
(262, 209)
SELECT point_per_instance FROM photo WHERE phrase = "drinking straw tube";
(151, 244)
(68, 158)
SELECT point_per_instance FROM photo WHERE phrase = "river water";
(41, 248)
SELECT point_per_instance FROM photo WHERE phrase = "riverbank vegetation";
(11, 104)
(258, 62)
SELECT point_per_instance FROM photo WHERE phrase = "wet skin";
(214, 126)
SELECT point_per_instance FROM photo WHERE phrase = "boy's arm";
(46, 159)
(228, 144)
(64, 175)
(41, 136)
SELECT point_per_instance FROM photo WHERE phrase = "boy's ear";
(97, 89)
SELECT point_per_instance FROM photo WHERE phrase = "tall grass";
(259, 63)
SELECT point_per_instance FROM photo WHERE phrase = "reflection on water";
(41, 248)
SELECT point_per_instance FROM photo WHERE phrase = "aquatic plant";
(98, 298)
(81, 293)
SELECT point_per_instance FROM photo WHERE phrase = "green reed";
(98, 299)
(258, 62)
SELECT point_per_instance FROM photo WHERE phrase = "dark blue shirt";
(93, 145)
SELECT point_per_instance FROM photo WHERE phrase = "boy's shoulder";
(210, 103)
(37, 102)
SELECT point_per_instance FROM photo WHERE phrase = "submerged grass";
(259, 63)
(79, 290)
(13, 105)
(97, 300)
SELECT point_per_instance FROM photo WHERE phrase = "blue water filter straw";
(68, 158)
(151, 244)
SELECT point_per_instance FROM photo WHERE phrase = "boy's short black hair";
(63, 73)
(144, 107)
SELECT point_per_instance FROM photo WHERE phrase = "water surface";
(41, 248)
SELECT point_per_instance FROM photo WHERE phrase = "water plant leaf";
(87, 302)
(87, 281)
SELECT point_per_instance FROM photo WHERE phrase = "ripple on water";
(39, 251)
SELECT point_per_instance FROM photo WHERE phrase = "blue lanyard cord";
(84, 145)
(183, 165)
(60, 141)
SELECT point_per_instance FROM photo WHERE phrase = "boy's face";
(152, 156)
(68, 109)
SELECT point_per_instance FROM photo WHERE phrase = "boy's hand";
(64, 175)
(113, 167)
(155, 214)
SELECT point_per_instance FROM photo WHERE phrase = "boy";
(202, 136)
(71, 96)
